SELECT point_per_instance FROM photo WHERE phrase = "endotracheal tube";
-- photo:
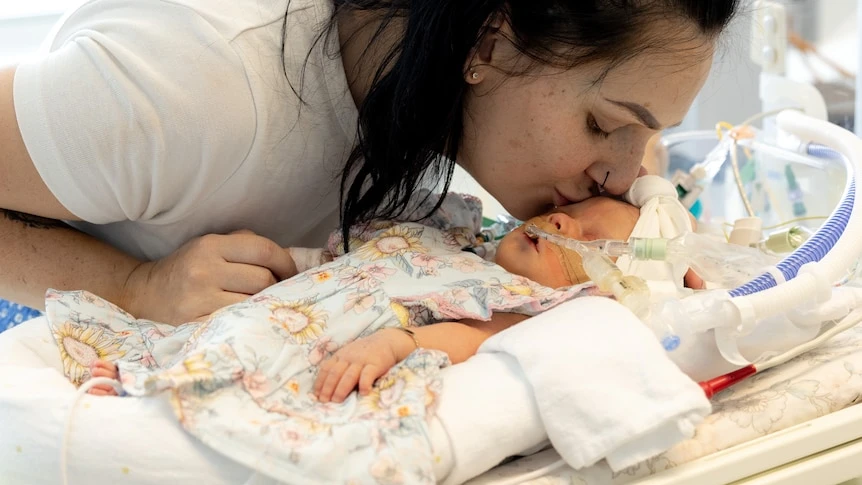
(712, 260)
(630, 291)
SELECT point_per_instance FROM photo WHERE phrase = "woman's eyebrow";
(640, 112)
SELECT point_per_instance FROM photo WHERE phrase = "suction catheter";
(787, 289)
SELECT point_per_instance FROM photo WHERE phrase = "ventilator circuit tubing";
(817, 246)
(834, 247)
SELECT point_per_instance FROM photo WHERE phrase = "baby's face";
(594, 218)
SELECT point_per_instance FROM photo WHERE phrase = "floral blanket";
(241, 381)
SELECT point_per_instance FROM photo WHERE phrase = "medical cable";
(67, 431)
(631, 291)
(715, 385)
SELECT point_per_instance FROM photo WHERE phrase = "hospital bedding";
(823, 381)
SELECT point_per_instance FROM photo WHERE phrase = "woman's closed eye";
(594, 127)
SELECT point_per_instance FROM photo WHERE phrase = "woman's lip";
(560, 200)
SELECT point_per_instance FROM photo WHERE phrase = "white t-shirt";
(160, 120)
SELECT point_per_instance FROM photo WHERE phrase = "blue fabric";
(12, 314)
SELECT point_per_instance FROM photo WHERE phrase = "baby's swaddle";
(241, 380)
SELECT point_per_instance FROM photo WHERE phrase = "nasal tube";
(631, 291)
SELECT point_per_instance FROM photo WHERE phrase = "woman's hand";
(205, 274)
(361, 362)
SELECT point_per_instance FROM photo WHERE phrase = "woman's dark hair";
(411, 120)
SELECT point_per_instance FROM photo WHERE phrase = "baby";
(362, 361)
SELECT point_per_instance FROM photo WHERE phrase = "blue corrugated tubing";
(815, 247)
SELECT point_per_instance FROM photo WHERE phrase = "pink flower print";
(361, 278)
(467, 265)
(459, 295)
(153, 334)
(256, 383)
(322, 349)
(449, 305)
(292, 438)
(378, 271)
(148, 361)
(360, 302)
(93, 299)
(390, 394)
(427, 264)
(457, 238)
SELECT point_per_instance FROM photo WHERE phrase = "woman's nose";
(618, 178)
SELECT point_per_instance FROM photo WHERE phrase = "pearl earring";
(474, 74)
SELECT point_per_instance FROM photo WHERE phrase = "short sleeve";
(139, 110)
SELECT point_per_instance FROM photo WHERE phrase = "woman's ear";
(482, 56)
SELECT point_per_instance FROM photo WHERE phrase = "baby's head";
(542, 262)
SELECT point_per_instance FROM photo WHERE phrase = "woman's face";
(551, 137)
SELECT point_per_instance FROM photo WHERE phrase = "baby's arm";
(363, 361)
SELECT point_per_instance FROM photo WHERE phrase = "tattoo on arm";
(35, 222)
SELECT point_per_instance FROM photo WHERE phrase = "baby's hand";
(103, 368)
(361, 361)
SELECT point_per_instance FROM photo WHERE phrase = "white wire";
(67, 432)
(846, 323)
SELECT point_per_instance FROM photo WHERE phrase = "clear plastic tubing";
(818, 245)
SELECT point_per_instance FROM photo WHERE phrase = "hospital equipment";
(629, 290)
(804, 277)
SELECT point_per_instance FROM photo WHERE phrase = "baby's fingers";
(347, 383)
(102, 390)
(333, 376)
(370, 373)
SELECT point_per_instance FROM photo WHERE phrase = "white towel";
(488, 411)
(603, 385)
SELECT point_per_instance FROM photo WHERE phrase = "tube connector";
(823, 283)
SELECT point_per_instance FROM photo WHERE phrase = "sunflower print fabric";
(241, 380)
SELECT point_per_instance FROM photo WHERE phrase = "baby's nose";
(562, 222)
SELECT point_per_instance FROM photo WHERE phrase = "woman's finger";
(216, 302)
(256, 250)
(247, 279)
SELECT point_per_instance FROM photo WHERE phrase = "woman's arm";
(38, 252)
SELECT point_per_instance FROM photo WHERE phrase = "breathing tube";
(820, 243)
(810, 271)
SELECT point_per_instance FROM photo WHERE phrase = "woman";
(189, 141)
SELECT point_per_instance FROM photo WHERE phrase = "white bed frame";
(823, 451)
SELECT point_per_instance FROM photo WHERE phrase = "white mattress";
(775, 412)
